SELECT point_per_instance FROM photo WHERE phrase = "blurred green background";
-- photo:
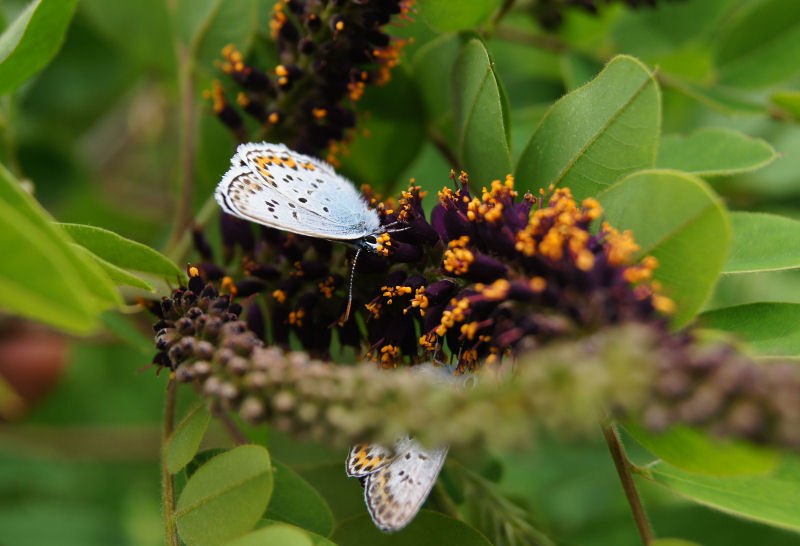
(97, 132)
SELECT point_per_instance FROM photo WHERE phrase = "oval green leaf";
(596, 134)
(118, 275)
(719, 98)
(278, 534)
(185, 439)
(697, 451)
(225, 497)
(760, 44)
(226, 22)
(770, 328)
(34, 37)
(120, 251)
(316, 540)
(90, 284)
(714, 152)
(480, 115)
(788, 101)
(446, 15)
(40, 282)
(428, 528)
(771, 498)
(295, 501)
(678, 219)
(763, 242)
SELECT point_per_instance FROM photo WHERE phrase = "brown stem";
(230, 425)
(167, 481)
(187, 145)
(498, 16)
(442, 145)
(625, 476)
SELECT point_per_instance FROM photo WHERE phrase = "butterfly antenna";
(350, 292)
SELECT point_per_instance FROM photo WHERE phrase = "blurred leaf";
(714, 152)
(295, 501)
(122, 252)
(277, 534)
(596, 134)
(344, 495)
(771, 498)
(118, 275)
(446, 15)
(39, 282)
(225, 497)
(185, 439)
(141, 29)
(391, 134)
(191, 18)
(427, 529)
(29, 43)
(480, 115)
(771, 328)
(672, 542)
(432, 67)
(228, 22)
(719, 98)
(316, 540)
(578, 69)
(88, 283)
(699, 452)
(788, 101)
(688, 232)
(760, 45)
(763, 242)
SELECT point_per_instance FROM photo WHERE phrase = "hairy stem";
(167, 481)
(625, 476)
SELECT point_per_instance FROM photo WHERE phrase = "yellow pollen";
(279, 295)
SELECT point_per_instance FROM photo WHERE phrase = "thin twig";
(230, 425)
(625, 476)
(183, 245)
(498, 16)
(167, 481)
(187, 145)
(442, 145)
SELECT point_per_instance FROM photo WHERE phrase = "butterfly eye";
(371, 239)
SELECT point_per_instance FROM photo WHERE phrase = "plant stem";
(187, 145)
(442, 145)
(167, 481)
(625, 476)
(233, 429)
(179, 250)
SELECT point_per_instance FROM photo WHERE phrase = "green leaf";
(446, 15)
(185, 439)
(771, 328)
(771, 498)
(40, 282)
(122, 252)
(719, 98)
(596, 134)
(714, 152)
(278, 534)
(788, 101)
(200, 458)
(432, 68)
(34, 37)
(678, 219)
(390, 136)
(228, 22)
(428, 528)
(760, 45)
(225, 497)
(344, 495)
(295, 501)
(118, 275)
(672, 542)
(697, 451)
(316, 540)
(578, 69)
(763, 242)
(90, 283)
(480, 115)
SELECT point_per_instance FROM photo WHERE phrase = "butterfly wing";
(395, 492)
(310, 184)
(364, 459)
(247, 195)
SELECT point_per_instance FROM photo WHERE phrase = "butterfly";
(272, 185)
(397, 481)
